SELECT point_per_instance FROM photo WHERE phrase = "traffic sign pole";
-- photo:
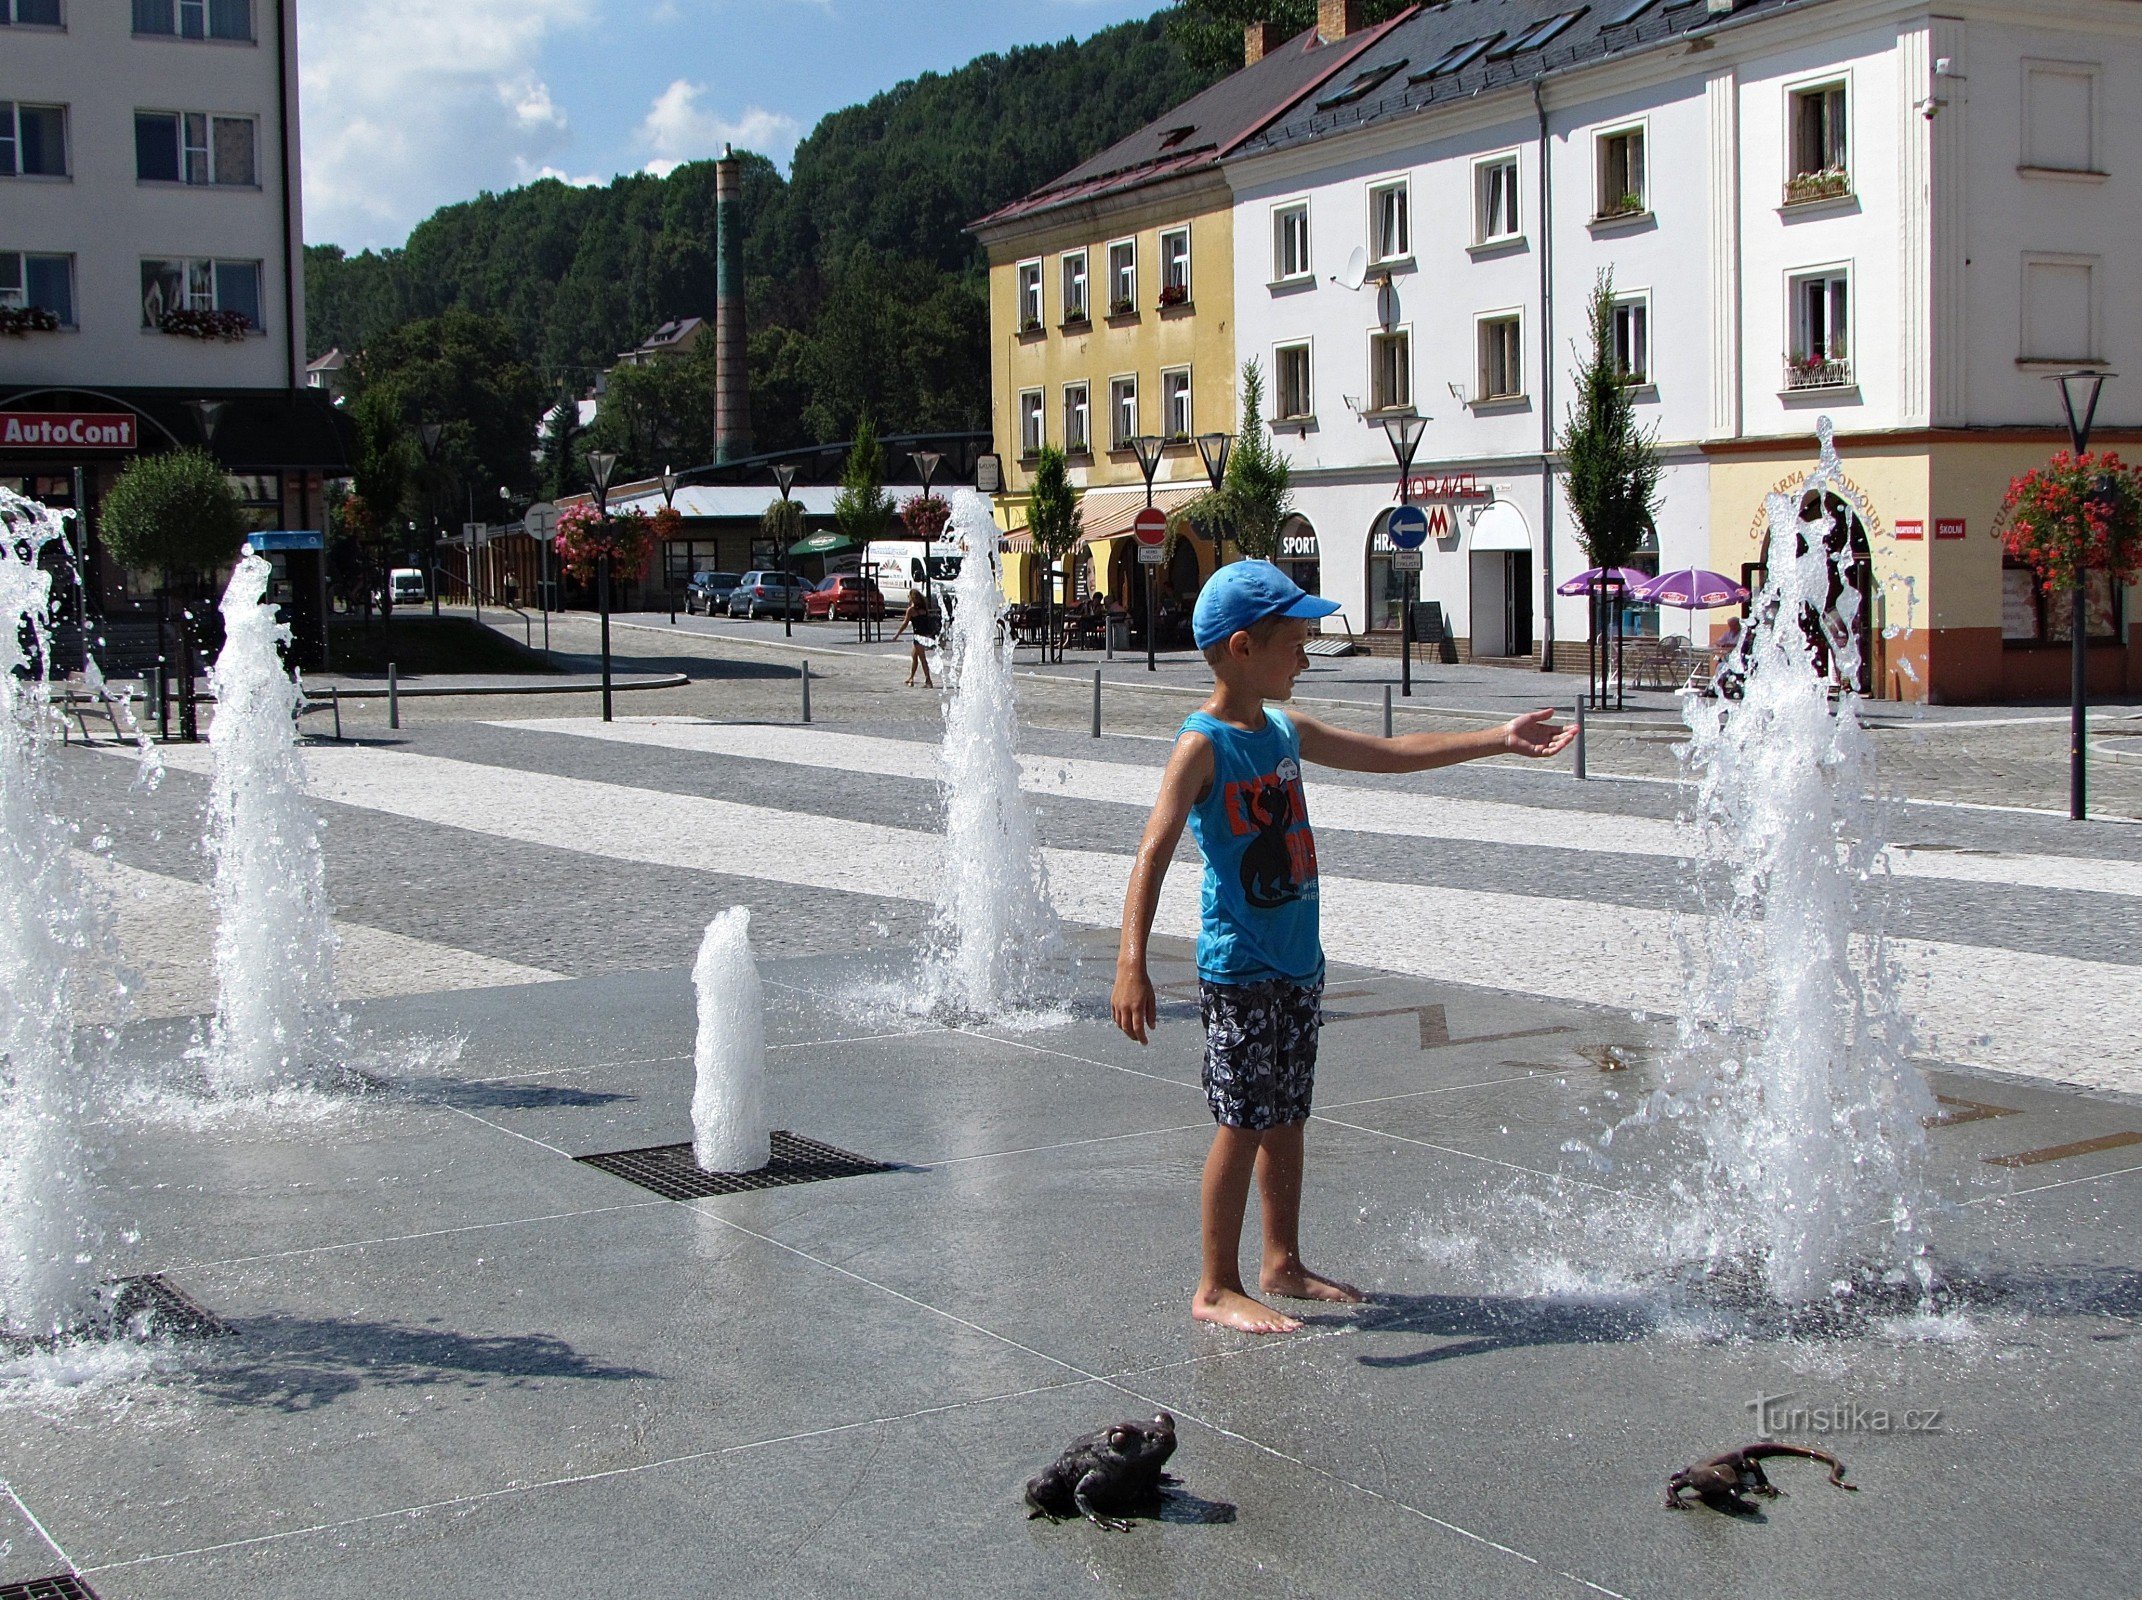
(1150, 528)
(1408, 531)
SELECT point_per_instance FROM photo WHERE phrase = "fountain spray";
(275, 939)
(729, 1132)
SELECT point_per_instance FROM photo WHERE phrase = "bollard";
(394, 697)
(1387, 711)
(806, 675)
(334, 694)
(1580, 741)
(1097, 702)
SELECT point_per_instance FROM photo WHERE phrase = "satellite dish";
(1355, 273)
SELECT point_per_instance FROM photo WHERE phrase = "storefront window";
(1388, 588)
(2031, 616)
(1298, 553)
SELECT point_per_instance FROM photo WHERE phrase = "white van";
(406, 586)
(898, 564)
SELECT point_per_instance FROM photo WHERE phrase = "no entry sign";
(1150, 526)
(67, 430)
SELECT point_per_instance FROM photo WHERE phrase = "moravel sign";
(67, 430)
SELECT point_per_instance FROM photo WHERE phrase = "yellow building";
(1111, 315)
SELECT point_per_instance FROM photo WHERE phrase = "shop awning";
(1106, 514)
(824, 544)
(257, 430)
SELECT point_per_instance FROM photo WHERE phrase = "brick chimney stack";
(732, 379)
(1259, 40)
(1335, 19)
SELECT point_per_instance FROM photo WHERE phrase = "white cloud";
(677, 129)
(411, 104)
(528, 172)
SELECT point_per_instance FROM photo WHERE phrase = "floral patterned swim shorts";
(1260, 1050)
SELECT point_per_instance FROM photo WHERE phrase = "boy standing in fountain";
(1235, 778)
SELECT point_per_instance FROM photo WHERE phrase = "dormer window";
(1175, 136)
(1456, 59)
(1363, 85)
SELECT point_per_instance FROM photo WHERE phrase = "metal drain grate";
(169, 1312)
(67, 1586)
(668, 1169)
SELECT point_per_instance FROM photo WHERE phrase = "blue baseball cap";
(1244, 593)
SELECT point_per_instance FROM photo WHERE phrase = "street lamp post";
(926, 464)
(1405, 432)
(428, 434)
(785, 475)
(2086, 386)
(668, 481)
(1147, 448)
(1214, 447)
(601, 463)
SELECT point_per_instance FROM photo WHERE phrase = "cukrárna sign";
(67, 430)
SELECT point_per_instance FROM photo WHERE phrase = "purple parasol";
(1592, 579)
(1691, 589)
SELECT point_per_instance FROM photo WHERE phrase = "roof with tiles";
(1453, 51)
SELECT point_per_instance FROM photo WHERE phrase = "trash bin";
(1119, 631)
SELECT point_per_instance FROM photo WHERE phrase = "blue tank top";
(1259, 901)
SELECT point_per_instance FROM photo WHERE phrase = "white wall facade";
(108, 221)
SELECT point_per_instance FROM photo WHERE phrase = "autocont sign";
(67, 430)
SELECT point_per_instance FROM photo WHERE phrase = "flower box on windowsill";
(207, 326)
(1175, 441)
(1817, 188)
(18, 322)
(1029, 327)
(1080, 323)
(1626, 212)
(1120, 309)
(1173, 295)
(1817, 372)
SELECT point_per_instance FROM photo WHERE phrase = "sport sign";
(67, 430)
(1151, 526)
(1408, 527)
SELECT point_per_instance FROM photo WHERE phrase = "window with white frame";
(2060, 116)
(31, 13)
(1632, 338)
(1293, 399)
(1390, 221)
(1029, 297)
(33, 141)
(1622, 178)
(197, 284)
(1501, 342)
(195, 147)
(1031, 434)
(1078, 420)
(38, 282)
(1175, 403)
(1290, 242)
(1123, 277)
(2059, 308)
(1175, 267)
(1819, 152)
(196, 19)
(1495, 199)
(1820, 356)
(1390, 370)
(1075, 304)
(1122, 412)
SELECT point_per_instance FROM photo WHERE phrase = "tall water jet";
(1810, 1111)
(995, 926)
(275, 937)
(50, 1232)
(729, 1132)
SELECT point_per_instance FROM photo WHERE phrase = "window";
(195, 19)
(1539, 35)
(1621, 174)
(1122, 412)
(1502, 357)
(1175, 403)
(1175, 267)
(1390, 223)
(195, 148)
(45, 282)
(33, 141)
(1817, 165)
(2059, 116)
(1123, 278)
(1290, 242)
(1821, 356)
(1456, 59)
(1390, 371)
(1031, 437)
(1495, 199)
(1632, 338)
(198, 285)
(1292, 399)
(1078, 420)
(1027, 306)
(1362, 86)
(2031, 616)
(31, 13)
(2059, 308)
(1628, 13)
(1075, 287)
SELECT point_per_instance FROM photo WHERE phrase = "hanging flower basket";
(2075, 514)
(17, 322)
(207, 326)
(585, 537)
(668, 523)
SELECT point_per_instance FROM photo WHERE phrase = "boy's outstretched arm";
(1188, 777)
(1532, 734)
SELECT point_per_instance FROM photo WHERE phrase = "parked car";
(767, 594)
(407, 586)
(710, 593)
(845, 596)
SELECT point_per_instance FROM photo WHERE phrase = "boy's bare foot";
(1230, 1308)
(1299, 1283)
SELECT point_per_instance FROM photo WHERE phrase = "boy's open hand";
(1534, 734)
(1133, 1002)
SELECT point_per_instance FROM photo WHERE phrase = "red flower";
(2075, 515)
(585, 537)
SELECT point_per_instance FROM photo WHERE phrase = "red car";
(844, 596)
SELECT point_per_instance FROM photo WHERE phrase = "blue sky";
(410, 104)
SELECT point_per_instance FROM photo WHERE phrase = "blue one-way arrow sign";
(1408, 527)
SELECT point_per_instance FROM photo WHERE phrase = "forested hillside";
(866, 296)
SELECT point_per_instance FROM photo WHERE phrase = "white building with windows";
(1852, 208)
(151, 266)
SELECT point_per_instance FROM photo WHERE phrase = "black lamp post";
(2084, 386)
(428, 434)
(1405, 432)
(1214, 447)
(926, 464)
(668, 480)
(601, 463)
(785, 475)
(1147, 447)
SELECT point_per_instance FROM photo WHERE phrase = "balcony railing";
(1810, 188)
(1818, 372)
